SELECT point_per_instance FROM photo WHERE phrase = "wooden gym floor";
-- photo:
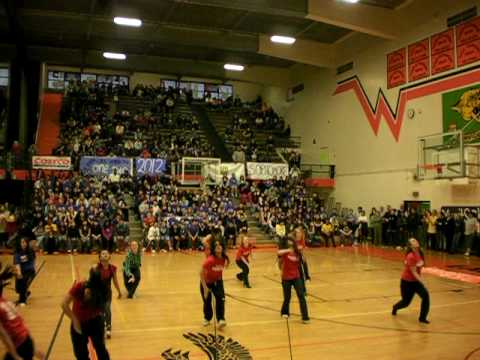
(350, 299)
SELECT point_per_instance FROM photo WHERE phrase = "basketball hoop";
(438, 168)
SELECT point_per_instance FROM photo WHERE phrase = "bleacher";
(134, 104)
(223, 119)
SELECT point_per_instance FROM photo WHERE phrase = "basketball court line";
(323, 318)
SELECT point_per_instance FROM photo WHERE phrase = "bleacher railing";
(318, 171)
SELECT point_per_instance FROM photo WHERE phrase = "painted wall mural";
(394, 119)
(461, 111)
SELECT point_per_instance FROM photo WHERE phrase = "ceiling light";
(115, 56)
(351, 1)
(282, 39)
(233, 67)
(127, 21)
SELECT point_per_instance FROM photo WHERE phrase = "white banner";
(266, 171)
(52, 162)
(217, 171)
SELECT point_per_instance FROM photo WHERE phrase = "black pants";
(243, 276)
(21, 285)
(287, 294)
(408, 290)
(108, 312)
(94, 330)
(449, 242)
(432, 241)
(132, 287)
(25, 350)
(217, 290)
(50, 244)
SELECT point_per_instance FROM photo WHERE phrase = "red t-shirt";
(412, 259)
(243, 252)
(290, 266)
(301, 242)
(107, 274)
(213, 268)
(82, 311)
(12, 322)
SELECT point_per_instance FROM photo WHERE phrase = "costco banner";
(150, 166)
(51, 162)
(93, 165)
(218, 171)
(266, 171)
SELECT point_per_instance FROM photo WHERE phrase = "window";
(168, 84)
(225, 91)
(88, 77)
(4, 77)
(58, 80)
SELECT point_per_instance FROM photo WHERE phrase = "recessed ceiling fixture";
(124, 21)
(351, 1)
(233, 67)
(282, 39)
(115, 56)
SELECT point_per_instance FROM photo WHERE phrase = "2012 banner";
(266, 171)
(93, 165)
(51, 162)
(150, 166)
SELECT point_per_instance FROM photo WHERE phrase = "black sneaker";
(394, 311)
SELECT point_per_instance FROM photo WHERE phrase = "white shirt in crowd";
(153, 233)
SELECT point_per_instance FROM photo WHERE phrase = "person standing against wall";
(431, 219)
(470, 229)
(375, 223)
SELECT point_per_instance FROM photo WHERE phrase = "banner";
(217, 171)
(397, 68)
(150, 166)
(266, 171)
(51, 162)
(93, 165)
(442, 51)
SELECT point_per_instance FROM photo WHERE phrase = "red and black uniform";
(91, 322)
(213, 271)
(16, 329)
(243, 254)
(107, 274)
(409, 285)
(291, 277)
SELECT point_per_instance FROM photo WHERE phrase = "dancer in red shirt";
(88, 298)
(290, 263)
(212, 282)
(411, 282)
(13, 332)
(243, 253)
(108, 272)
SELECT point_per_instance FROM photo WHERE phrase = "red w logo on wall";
(394, 119)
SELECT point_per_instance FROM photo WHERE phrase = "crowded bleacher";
(84, 213)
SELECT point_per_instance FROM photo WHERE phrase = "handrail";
(318, 170)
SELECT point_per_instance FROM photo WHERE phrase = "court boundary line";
(331, 319)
